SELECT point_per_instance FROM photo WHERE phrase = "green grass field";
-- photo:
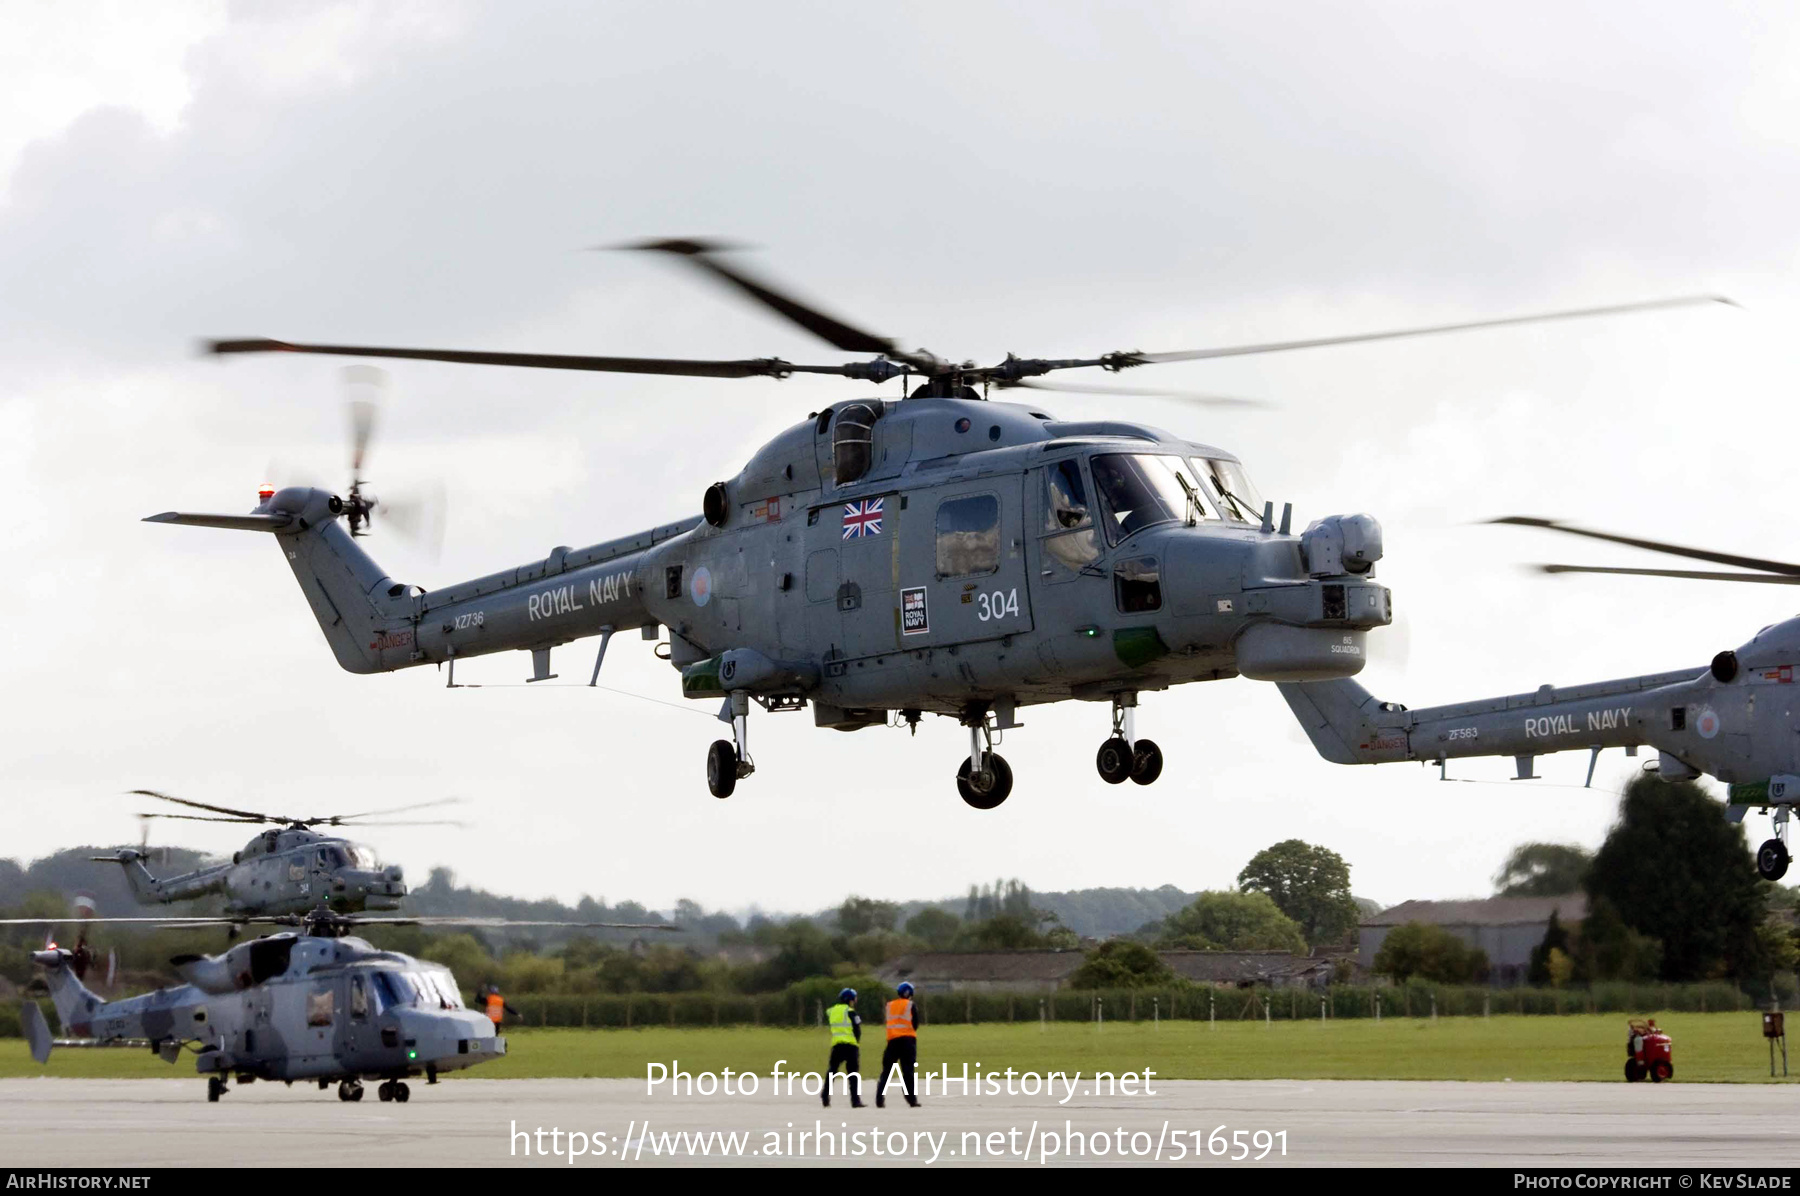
(1709, 1047)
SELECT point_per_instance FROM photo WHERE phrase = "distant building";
(1047, 971)
(1507, 928)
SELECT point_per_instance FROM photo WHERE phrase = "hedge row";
(803, 1008)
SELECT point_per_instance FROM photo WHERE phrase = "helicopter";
(882, 559)
(287, 869)
(314, 1003)
(1732, 719)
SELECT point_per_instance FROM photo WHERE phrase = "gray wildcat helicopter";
(312, 1004)
(940, 553)
(1733, 719)
(285, 870)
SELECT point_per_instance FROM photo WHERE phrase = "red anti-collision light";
(265, 492)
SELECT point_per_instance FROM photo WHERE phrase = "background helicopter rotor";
(1754, 569)
(228, 814)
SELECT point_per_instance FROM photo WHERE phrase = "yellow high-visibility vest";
(841, 1030)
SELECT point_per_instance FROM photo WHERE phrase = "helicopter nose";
(449, 1038)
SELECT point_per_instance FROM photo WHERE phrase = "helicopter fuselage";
(290, 1007)
(975, 560)
(287, 871)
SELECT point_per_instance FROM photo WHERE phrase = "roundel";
(701, 586)
(1708, 723)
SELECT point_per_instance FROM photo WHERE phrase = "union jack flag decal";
(862, 518)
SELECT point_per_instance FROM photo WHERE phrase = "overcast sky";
(1049, 179)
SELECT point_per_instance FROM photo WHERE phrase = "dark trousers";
(905, 1052)
(849, 1056)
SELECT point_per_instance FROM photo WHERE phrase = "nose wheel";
(350, 1090)
(728, 761)
(1125, 757)
(985, 778)
(394, 1090)
(215, 1088)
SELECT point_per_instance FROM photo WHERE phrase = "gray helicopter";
(312, 1004)
(885, 559)
(1733, 719)
(287, 869)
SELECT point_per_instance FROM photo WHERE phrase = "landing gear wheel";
(385, 1092)
(1772, 860)
(989, 787)
(721, 768)
(401, 1091)
(350, 1090)
(1114, 760)
(1634, 1071)
(1146, 761)
(215, 1088)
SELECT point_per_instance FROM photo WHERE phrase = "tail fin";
(75, 1003)
(144, 886)
(366, 618)
(1345, 722)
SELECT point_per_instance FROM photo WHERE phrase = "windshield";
(1237, 496)
(1138, 490)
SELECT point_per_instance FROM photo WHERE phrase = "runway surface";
(65, 1122)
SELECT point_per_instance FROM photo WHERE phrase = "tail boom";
(1350, 726)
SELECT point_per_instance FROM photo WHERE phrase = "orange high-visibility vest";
(899, 1019)
(496, 1007)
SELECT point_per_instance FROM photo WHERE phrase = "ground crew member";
(846, 1033)
(497, 1008)
(903, 1022)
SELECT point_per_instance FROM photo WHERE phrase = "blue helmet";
(847, 994)
(905, 989)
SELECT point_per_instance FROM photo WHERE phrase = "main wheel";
(349, 1090)
(1634, 1071)
(215, 1088)
(1114, 760)
(385, 1092)
(721, 768)
(1662, 1070)
(989, 787)
(1146, 761)
(1772, 860)
(401, 1091)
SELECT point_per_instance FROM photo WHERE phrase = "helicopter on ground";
(311, 1004)
(287, 869)
(1733, 719)
(885, 559)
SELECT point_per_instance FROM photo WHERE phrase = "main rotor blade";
(200, 805)
(165, 921)
(418, 805)
(759, 367)
(406, 822)
(830, 329)
(208, 818)
(1131, 359)
(1772, 579)
(1698, 554)
(1145, 392)
(493, 923)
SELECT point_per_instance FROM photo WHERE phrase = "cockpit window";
(1067, 505)
(395, 988)
(1237, 496)
(853, 442)
(1140, 490)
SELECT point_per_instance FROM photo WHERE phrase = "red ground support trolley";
(1647, 1052)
